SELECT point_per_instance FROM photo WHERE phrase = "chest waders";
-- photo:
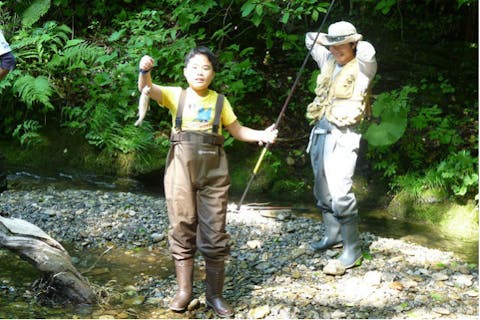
(196, 190)
(333, 147)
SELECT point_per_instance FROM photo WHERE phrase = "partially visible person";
(348, 66)
(7, 59)
(196, 173)
(7, 63)
(3, 174)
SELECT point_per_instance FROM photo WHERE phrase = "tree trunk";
(49, 257)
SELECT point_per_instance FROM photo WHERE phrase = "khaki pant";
(196, 190)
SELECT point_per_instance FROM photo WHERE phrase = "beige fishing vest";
(335, 98)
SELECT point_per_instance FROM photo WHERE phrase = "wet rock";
(334, 268)
(373, 278)
(135, 301)
(259, 312)
(157, 237)
(463, 281)
(337, 314)
(439, 276)
(442, 311)
(254, 244)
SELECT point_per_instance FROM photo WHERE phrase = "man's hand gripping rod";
(289, 97)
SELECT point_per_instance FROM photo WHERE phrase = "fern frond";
(34, 12)
(34, 90)
(77, 53)
(41, 43)
(131, 139)
(28, 133)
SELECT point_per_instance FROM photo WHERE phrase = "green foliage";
(27, 133)
(238, 76)
(76, 54)
(85, 78)
(34, 90)
(384, 6)
(35, 47)
(430, 154)
(459, 173)
(465, 2)
(295, 187)
(265, 15)
(392, 108)
(34, 12)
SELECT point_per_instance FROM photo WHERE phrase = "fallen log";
(48, 256)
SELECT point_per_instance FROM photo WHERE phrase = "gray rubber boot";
(184, 271)
(352, 252)
(332, 236)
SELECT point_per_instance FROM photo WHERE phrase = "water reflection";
(118, 273)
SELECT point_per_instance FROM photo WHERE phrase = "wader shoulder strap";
(218, 111)
(181, 104)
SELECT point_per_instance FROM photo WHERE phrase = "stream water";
(113, 269)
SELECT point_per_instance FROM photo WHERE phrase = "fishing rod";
(282, 111)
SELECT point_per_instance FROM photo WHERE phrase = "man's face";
(199, 73)
(343, 53)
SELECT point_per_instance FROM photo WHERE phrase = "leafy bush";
(83, 76)
(430, 153)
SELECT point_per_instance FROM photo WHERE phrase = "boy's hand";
(269, 135)
(146, 63)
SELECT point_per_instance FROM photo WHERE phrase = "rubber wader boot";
(184, 271)
(332, 236)
(215, 276)
(352, 253)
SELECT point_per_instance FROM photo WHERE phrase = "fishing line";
(282, 111)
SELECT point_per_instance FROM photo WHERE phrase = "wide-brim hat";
(339, 33)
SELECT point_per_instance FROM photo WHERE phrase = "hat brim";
(325, 40)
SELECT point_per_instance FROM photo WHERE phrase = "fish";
(143, 105)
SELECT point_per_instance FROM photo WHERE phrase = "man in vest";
(7, 59)
(347, 67)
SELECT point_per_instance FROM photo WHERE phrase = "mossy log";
(48, 256)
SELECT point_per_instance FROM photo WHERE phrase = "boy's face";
(343, 53)
(199, 73)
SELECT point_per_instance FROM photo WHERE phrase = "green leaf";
(387, 132)
(33, 13)
(392, 109)
(34, 90)
(117, 35)
(259, 9)
(247, 8)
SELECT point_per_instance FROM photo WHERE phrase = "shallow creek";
(113, 267)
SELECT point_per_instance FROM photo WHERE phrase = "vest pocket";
(344, 86)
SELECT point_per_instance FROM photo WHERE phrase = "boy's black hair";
(205, 51)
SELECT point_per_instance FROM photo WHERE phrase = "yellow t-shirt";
(197, 115)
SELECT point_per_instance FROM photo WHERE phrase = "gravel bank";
(271, 273)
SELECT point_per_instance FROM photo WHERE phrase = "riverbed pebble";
(272, 273)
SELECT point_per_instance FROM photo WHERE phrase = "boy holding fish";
(196, 172)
